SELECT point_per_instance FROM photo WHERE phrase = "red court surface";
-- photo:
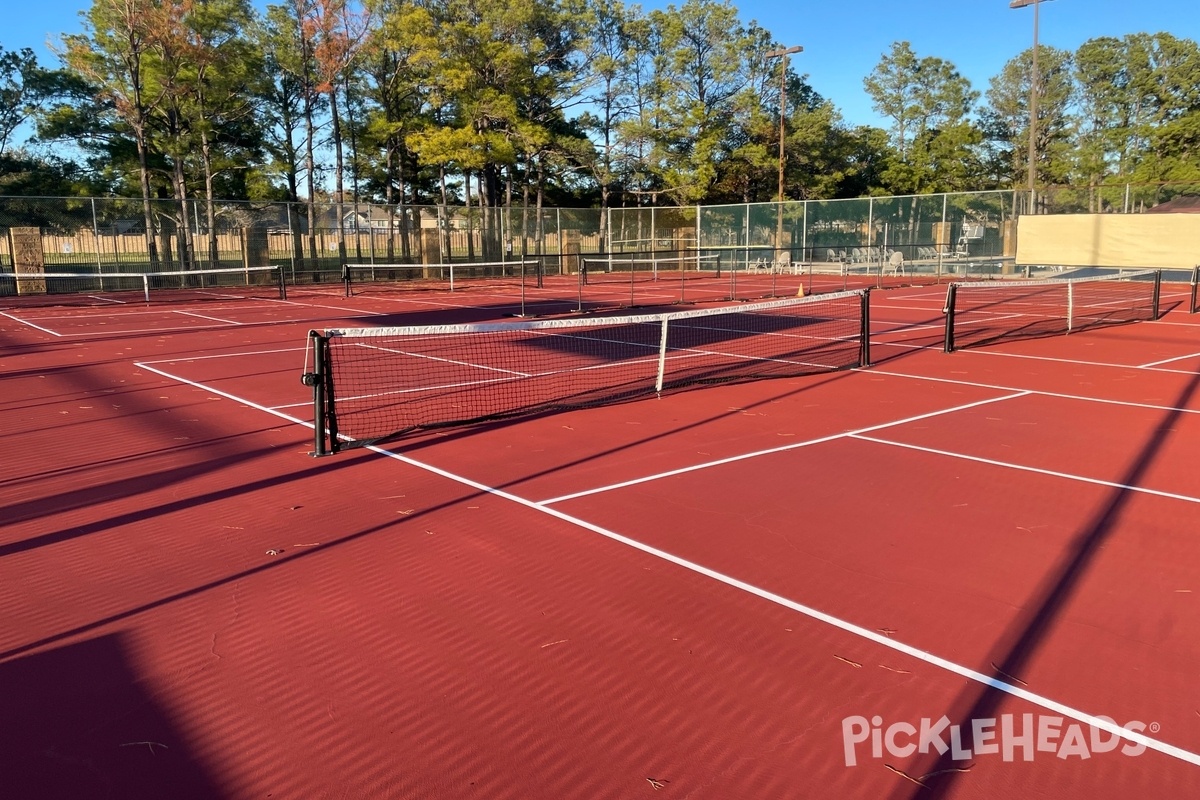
(941, 576)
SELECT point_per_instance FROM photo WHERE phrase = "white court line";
(1153, 366)
(1023, 468)
(998, 387)
(808, 611)
(189, 359)
(203, 316)
(506, 379)
(820, 616)
(1074, 361)
(168, 329)
(442, 360)
(419, 389)
(30, 324)
(1167, 360)
(772, 450)
(158, 308)
(939, 346)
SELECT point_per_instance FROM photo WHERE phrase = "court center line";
(1024, 468)
(1167, 360)
(203, 316)
(998, 387)
(812, 613)
(780, 449)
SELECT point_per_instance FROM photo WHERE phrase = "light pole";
(1033, 92)
(782, 54)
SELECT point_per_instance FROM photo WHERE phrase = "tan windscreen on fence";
(1109, 240)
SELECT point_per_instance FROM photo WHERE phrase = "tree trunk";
(338, 182)
(182, 229)
(310, 168)
(444, 216)
(139, 135)
(210, 212)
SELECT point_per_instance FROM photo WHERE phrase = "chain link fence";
(932, 234)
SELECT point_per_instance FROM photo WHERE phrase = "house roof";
(1177, 205)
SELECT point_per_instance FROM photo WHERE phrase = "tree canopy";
(585, 102)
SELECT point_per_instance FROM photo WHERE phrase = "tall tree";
(22, 87)
(111, 55)
(337, 30)
(608, 50)
(292, 48)
(224, 75)
(1005, 119)
(705, 68)
(1166, 84)
(1106, 112)
(929, 104)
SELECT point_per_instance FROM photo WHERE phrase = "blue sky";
(842, 43)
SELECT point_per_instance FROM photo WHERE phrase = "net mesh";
(985, 313)
(621, 268)
(377, 383)
(423, 277)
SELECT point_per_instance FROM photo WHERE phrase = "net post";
(682, 280)
(1195, 280)
(951, 293)
(579, 283)
(346, 280)
(1157, 293)
(146, 286)
(282, 283)
(522, 287)
(632, 285)
(662, 358)
(316, 380)
(1070, 307)
(864, 358)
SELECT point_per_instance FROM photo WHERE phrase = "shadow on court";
(79, 722)
(938, 775)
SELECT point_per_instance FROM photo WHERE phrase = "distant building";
(1177, 205)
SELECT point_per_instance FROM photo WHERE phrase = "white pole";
(608, 245)
(871, 238)
(746, 237)
(96, 239)
(804, 254)
(938, 244)
(662, 357)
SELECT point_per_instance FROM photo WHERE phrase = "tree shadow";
(1029, 631)
(79, 722)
